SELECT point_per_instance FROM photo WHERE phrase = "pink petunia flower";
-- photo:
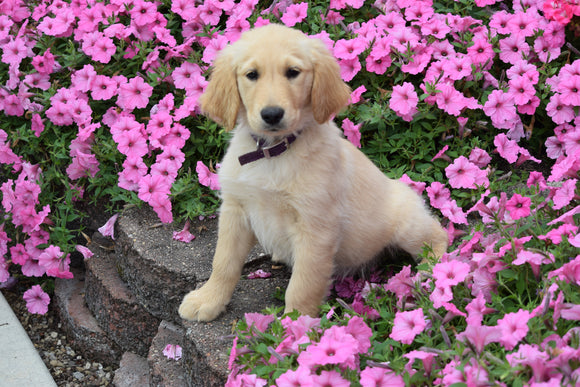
(108, 229)
(206, 177)
(85, 251)
(335, 347)
(508, 149)
(291, 378)
(329, 378)
(36, 300)
(294, 14)
(259, 274)
(559, 110)
(513, 327)
(377, 376)
(521, 90)
(103, 88)
(150, 185)
(184, 235)
(480, 335)
(352, 132)
(349, 48)
(172, 351)
(518, 206)
(500, 107)
(407, 325)
(462, 173)
(403, 99)
(451, 273)
(134, 94)
(349, 68)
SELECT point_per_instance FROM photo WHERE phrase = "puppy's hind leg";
(235, 240)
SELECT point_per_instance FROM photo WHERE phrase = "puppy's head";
(274, 79)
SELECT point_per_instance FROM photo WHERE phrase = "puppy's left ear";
(329, 93)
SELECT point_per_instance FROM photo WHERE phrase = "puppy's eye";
(292, 73)
(252, 75)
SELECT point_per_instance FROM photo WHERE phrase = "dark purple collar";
(269, 151)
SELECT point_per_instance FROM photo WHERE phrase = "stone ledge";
(114, 306)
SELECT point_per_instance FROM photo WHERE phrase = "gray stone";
(82, 329)
(115, 307)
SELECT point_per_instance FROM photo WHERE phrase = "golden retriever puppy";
(290, 181)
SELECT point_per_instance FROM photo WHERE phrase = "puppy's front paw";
(198, 305)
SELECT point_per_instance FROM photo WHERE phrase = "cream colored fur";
(319, 206)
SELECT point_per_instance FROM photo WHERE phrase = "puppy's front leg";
(235, 240)
(311, 273)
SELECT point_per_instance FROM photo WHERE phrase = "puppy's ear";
(221, 100)
(329, 93)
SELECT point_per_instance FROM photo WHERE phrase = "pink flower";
(206, 177)
(103, 88)
(521, 90)
(133, 144)
(418, 187)
(355, 96)
(329, 378)
(438, 194)
(500, 107)
(513, 327)
(451, 273)
(407, 325)
(518, 206)
(569, 89)
(564, 195)
(513, 49)
(294, 14)
(508, 149)
(14, 51)
(172, 351)
(184, 235)
(108, 229)
(349, 68)
(300, 377)
(441, 154)
(404, 99)
(352, 132)
(481, 51)
(150, 185)
(462, 173)
(476, 309)
(377, 376)
(453, 212)
(449, 99)
(134, 94)
(85, 251)
(559, 110)
(259, 274)
(479, 157)
(36, 300)
(259, 321)
(44, 63)
(335, 347)
(349, 48)
(480, 335)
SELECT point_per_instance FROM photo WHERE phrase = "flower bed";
(473, 103)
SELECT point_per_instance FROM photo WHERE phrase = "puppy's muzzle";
(272, 115)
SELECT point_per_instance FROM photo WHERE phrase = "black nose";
(272, 115)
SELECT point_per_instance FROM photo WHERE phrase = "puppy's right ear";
(221, 100)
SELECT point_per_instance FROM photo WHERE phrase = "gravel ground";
(67, 367)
